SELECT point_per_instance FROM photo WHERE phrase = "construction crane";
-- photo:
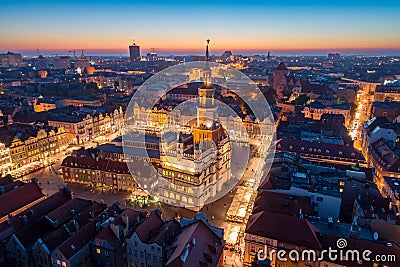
(72, 51)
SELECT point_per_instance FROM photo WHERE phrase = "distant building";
(151, 56)
(280, 79)
(81, 63)
(333, 56)
(315, 110)
(10, 60)
(61, 63)
(226, 56)
(387, 93)
(134, 53)
(40, 105)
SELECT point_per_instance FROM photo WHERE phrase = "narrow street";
(363, 103)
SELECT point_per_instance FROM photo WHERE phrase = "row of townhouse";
(64, 231)
(21, 148)
(84, 125)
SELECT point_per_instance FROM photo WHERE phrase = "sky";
(176, 27)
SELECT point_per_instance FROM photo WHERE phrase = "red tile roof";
(68, 210)
(282, 203)
(150, 226)
(283, 228)
(19, 198)
(77, 241)
(385, 156)
(58, 237)
(134, 217)
(34, 213)
(96, 164)
(165, 234)
(196, 246)
(319, 149)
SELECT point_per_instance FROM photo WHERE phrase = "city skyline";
(177, 27)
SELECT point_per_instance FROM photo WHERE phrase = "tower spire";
(207, 54)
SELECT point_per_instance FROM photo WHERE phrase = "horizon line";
(197, 51)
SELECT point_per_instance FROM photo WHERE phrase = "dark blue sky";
(180, 26)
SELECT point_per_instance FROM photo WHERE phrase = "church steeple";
(207, 71)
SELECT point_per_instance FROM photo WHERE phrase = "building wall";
(5, 160)
(324, 204)
(104, 179)
(254, 243)
(17, 254)
(105, 255)
(139, 253)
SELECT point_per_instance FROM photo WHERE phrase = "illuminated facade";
(5, 160)
(196, 165)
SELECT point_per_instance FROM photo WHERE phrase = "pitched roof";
(134, 217)
(34, 213)
(283, 228)
(385, 156)
(57, 237)
(96, 164)
(165, 234)
(197, 245)
(319, 148)
(68, 210)
(19, 198)
(77, 241)
(282, 203)
(150, 226)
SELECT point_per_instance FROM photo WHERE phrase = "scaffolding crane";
(72, 51)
